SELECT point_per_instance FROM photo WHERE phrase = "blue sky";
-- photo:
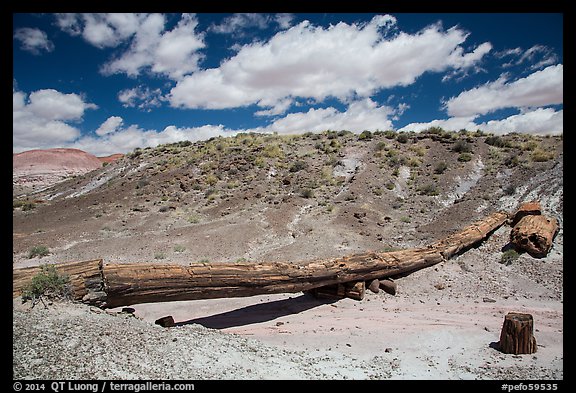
(108, 83)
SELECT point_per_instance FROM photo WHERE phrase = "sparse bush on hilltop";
(365, 135)
(402, 137)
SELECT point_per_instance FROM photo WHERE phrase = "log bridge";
(109, 285)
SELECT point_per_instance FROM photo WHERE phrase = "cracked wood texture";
(133, 283)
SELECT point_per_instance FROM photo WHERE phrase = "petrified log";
(517, 334)
(534, 234)
(526, 209)
(114, 285)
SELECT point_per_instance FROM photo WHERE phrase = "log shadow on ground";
(257, 313)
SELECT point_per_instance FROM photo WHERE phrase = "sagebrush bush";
(38, 251)
(49, 283)
(509, 256)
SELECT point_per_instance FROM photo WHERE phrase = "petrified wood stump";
(516, 336)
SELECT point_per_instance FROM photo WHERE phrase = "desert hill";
(35, 169)
(256, 197)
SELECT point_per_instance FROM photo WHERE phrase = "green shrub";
(509, 256)
(464, 157)
(365, 135)
(38, 251)
(539, 155)
(298, 166)
(24, 205)
(497, 141)
(402, 137)
(307, 193)
(440, 168)
(179, 248)
(428, 189)
(462, 146)
(49, 283)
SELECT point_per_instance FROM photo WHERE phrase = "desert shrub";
(509, 190)
(434, 130)
(365, 135)
(497, 141)
(440, 168)
(179, 248)
(211, 179)
(380, 146)
(24, 205)
(509, 256)
(428, 189)
(38, 251)
(539, 155)
(464, 157)
(136, 153)
(307, 193)
(298, 166)
(49, 283)
(142, 183)
(273, 151)
(402, 137)
(512, 161)
(390, 134)
(461, 146)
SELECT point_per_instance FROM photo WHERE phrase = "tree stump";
(516, 336)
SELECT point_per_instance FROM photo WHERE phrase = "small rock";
(374, 286)
(488, 300)
(167, 321)
(388, 286)
(279, 323)
(388, 349)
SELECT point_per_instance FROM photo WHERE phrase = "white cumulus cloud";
(342, 61)
(42, 119)
(110, 125)
(172, 53)
(33, 40)
(540, 88)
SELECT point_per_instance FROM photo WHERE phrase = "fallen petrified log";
(534, 234)
(526, 209)
(114, 285)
